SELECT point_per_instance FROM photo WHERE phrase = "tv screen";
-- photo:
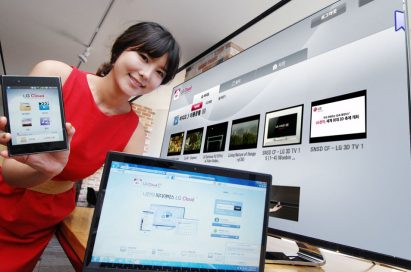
(331, 100)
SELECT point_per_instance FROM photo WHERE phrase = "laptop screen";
(160, 213)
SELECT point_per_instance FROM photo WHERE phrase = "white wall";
(159, 124)
(159, 102)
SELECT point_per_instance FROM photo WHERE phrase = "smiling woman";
(149, 43)
(36, 191)
(141, 73)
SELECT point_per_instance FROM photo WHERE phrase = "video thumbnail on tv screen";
(244, 133)
(283, 127)
(285, 202)
(339, 118)
(215, 137)
(175, 144)
(192, 143)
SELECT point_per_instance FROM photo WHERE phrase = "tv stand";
(307, 255)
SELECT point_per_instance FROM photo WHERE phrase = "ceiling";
(32, 31)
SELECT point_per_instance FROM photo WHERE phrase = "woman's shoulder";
(52, 68)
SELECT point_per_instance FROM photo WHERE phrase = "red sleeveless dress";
(28, 219)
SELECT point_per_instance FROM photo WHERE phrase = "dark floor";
(54, 259)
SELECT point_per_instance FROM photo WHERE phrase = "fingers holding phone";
(48, 163)
(70, 131)
(4, 136)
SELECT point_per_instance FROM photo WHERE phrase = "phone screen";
(34, 114)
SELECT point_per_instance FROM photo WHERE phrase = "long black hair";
(150, 38)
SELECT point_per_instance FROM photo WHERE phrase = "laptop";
(165, 215)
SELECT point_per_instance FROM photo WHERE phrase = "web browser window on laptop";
(176, 215)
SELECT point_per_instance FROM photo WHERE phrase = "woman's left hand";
(4, 136)
(48, 163)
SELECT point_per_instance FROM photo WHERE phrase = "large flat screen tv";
(323, 106)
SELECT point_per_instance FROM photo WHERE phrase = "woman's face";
(136, 73)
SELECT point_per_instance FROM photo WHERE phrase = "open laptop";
(164, 215)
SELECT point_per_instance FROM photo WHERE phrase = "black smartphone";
(35, 114)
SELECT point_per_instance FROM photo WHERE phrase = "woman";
(36, 191)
